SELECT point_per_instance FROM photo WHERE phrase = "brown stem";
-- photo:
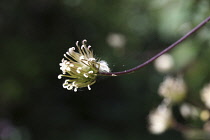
(160, 53)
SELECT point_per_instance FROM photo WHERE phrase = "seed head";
(80, 68)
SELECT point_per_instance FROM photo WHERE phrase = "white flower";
(116, 40)
(164, 63)
(160, 119)
(173, 89)
(205, 95)
(189, 111)
(81, 68)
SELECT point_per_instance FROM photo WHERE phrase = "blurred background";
(34, 35)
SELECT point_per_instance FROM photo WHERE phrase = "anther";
(81, 57)
(84, 41)
(77, 43)
(89, 87)
(82, 46)
(59, 76)
(71, 49)
(90, 71)
(75, 89)
(85, 75)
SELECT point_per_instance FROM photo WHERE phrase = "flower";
(205, 95)
(189, 111)
(81, 68)
(116, 40)
(173, 89)
(164, 63)
(160, 119)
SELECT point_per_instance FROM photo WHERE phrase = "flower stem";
(160, 53)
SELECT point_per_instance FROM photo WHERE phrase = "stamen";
(71, 49)
(89, 87)
(91, 59)
(73, 83)
(84, 41)
(89, 47)
(75, 89)
(66, 82)
(78, 69)
(71, 65)
(83, 46)
(60, 64)
(85, 75)
(68, 69)
(59, 76)
(70, 87)
(65, 85)
(90, 71)
(81, 57)
(77, 43)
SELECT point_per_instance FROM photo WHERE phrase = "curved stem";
(160, 53)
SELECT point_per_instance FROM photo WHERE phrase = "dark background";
(34, 35)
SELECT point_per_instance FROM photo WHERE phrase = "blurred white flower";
(81, 68)
(173, 89)
(160, 119)
(189, 111)
(116, 40)
(164, 63)
(205, 95)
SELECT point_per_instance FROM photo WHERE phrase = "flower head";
(81, 68)
(173, 89)
(160, 119)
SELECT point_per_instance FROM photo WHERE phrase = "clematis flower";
(81, 68)
(173, 89)
(160, 119)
